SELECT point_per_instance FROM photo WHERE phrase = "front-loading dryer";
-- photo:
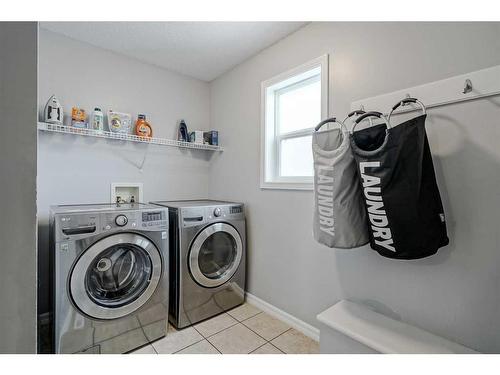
(207, 258)
(110, 277)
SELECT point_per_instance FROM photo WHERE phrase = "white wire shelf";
(44, 126)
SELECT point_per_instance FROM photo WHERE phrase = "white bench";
(347, 327)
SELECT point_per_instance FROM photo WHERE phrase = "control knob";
(121, 220)
(217, 212)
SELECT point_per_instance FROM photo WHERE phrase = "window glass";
(296, 157)
(294, 102)
(299, 106)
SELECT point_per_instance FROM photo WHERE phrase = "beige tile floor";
(242, 330)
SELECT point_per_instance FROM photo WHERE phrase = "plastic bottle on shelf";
(142, 127)
(78, 117)
(97, 122)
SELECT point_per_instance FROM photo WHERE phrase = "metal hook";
(467, 86)
(360, 111)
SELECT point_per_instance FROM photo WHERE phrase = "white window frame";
(271, 138)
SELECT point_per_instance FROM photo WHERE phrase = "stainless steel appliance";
(207, 258)
(110, 276)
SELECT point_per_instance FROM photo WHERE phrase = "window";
(292, 104)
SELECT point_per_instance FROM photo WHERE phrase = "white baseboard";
(292, 321)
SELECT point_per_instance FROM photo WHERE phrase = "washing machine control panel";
(135, 220)
(153, 216)
(72, 226)
(127, 220)
(153, 219)
(121, 220)
(75, 226)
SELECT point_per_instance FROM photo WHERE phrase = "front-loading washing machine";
(207, 258)
(110, 276)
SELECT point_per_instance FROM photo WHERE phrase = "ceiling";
(202, 50)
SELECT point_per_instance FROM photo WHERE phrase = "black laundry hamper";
(402, 200)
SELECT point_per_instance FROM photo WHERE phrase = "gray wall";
(73, 169)
(18, 89)
(454, 293)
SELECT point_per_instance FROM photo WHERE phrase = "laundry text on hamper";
(376, 213)
(325, 200)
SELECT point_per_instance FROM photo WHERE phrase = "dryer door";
(115, 276)
(215, 255)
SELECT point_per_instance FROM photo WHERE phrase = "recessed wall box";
(127, 192)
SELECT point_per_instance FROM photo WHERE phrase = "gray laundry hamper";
(340, 219)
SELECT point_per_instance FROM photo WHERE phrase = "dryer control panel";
(195, 216)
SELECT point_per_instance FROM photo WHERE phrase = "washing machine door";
(115, 276)
(215, 255)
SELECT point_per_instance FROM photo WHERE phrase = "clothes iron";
(53, 111)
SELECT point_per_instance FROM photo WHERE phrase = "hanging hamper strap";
(404, 102)
(329, 120)
(369, 115)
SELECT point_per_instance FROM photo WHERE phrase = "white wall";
(73, 169)
(18, 82)
(454, 293)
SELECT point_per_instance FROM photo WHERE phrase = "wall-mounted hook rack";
(439, 93)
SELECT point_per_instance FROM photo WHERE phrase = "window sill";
(287, 186)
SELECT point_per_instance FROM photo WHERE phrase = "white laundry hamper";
(340, 219)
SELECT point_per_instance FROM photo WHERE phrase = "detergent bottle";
(142, 127)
